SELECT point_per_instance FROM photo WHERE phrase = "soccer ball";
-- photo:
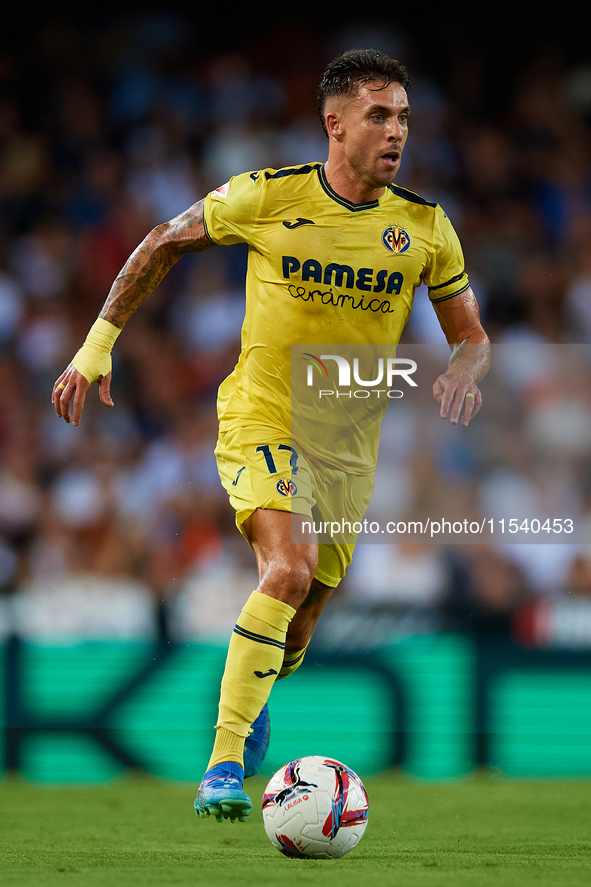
(315, 808)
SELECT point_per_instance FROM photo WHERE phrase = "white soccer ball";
(316, 808)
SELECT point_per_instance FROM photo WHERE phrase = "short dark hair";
(346, 73)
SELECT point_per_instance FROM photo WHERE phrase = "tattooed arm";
(152, 260)
(470, 359)
(141, 274)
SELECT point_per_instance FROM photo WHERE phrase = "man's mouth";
(391, 158)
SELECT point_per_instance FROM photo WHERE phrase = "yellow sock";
(291, 662)
(255, 657)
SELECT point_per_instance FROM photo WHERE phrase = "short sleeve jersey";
(322, 270)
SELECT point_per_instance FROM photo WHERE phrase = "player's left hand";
(458, 395)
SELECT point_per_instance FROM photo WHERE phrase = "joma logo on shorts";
(365, 279)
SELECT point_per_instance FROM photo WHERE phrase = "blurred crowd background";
(120, 526)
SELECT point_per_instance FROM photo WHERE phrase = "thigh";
(333, 561)
(259, 469)
(342, 500)
(262, 472)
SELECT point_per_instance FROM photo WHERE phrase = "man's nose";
(394, 129)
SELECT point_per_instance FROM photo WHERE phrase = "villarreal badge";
(286, 486)
(396, 239)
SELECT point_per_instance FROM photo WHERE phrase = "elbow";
(475, 335)
(162, 241)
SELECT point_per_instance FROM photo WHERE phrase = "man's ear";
(334, 123)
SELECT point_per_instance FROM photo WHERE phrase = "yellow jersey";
(322, 270)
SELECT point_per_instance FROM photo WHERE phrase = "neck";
(346, 184)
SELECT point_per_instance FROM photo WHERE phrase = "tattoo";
(152, 260)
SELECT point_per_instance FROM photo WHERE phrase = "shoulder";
(300, 172)
(288, 182)
(413, 198)
(275, 189)
(250, 198)
(430, 216)
(255, 184)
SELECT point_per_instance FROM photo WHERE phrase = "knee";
(289, 576)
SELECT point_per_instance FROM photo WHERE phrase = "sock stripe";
(291, 660)
(259, 638)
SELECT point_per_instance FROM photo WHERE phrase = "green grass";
(480, 831)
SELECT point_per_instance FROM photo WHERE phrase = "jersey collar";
(354, 207)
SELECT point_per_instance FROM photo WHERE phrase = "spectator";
(131, 122)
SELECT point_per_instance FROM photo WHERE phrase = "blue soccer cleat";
(256, 745)
(221, 795)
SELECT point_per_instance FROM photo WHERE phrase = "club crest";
(286, 487)
(396, 239)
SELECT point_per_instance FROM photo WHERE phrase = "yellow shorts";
(259, 468)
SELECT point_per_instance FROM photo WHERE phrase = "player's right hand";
(91, 363)
(70, 391)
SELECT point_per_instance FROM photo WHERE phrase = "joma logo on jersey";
(396, 239)
(345, 276)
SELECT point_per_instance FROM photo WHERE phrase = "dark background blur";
(111, 122)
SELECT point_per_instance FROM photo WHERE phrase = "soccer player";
(336, 251)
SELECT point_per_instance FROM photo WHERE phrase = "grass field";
(480, 831)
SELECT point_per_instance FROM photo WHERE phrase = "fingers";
(472, 404)
(59, 398)
(457, 398)
(448, 395)
(438, 389)
(105, 391)
(78, 405)
(70, 388)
